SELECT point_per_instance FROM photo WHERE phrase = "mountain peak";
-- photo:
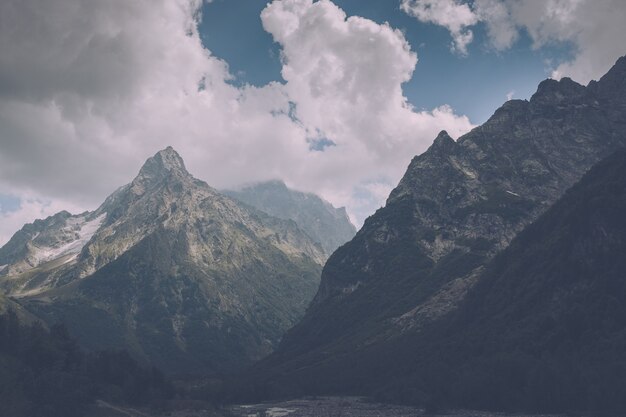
(554, 91)
(190, 266)
(165, 163)
(611, 85)
(443, 141)
(169, 160)
(275, 184)
(619, 66)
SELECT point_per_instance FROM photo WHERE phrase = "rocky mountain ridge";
(167, 267)
(543, 328)
(458, 204)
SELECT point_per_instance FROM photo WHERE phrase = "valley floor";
(346, 407)
(308, 407)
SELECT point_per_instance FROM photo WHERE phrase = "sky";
(333, 97)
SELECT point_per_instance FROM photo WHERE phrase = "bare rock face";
(183, 276)
(547, 309)
(458, 204)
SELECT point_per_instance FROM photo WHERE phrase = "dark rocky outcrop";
(458, 204)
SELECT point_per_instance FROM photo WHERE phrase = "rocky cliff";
(458, 204)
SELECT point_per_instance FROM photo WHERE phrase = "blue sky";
(474, 85)
(9, 203)
(89, 90)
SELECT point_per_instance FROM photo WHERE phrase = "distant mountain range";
(167, 267)
(415, 261)
(324, 223)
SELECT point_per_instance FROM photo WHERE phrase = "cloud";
(89, 90)
(454, 15)
(502, 31)
(345, 74)
(80, 83)
(594, 29)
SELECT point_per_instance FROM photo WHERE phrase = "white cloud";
(346, 76)
(502, 32)
(454, 15)
(594, 28)
(89, 90)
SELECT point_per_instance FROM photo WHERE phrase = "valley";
(309, 407)
(490, 273)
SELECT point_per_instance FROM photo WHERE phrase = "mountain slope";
(544, 329)
(44, 373)
(458, 204)
(37, 253)
(326, 224)
(167, 267)
(24, 316)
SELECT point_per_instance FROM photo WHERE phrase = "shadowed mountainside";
(459, 204)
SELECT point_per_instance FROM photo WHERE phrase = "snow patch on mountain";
(82, 231)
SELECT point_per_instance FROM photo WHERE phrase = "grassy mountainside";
(170, 269)
(44, 374)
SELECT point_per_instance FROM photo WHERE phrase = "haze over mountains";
(415, 260)
(317, 217)
(169, 268)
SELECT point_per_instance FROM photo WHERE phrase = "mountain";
(458, 204)
(168, 268)
(24, 316)
(326, 224)
(544, 329)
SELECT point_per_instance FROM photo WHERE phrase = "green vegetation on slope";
(44, 374)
